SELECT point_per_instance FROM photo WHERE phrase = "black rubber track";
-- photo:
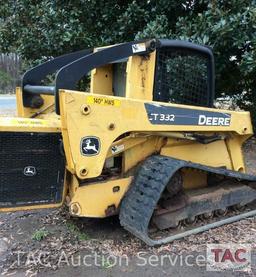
(147, 186)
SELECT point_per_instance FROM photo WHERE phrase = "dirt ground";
(50, 243)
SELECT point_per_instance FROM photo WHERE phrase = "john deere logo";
(90, 146)
(29, 171)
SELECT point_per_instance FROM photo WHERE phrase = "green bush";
(50, 28)
(6, 82)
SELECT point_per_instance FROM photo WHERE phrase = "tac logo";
(29, 171)
(90, 146)
(228, 256)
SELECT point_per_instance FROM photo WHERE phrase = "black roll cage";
(72, 67)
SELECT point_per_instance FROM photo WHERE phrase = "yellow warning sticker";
(29, 122)
(104, 101)
(22, 121)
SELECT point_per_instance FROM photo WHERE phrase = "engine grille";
(31, 169)
(181, 77)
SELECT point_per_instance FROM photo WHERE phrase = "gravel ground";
(49, 243)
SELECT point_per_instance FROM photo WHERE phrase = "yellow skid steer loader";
(144, 141)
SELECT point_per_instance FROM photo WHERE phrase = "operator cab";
(161, 70)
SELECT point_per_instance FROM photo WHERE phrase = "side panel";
(140, 77)
(199, 153)
(101, 80)
(98, 199)
(118, 116)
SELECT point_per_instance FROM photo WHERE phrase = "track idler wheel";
(190, 221)
(221, 212)
(208, 215)
(238, 207)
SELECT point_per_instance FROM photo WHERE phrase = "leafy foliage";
(74, 230)
(6, 81)
(40, 234)
(41, 29)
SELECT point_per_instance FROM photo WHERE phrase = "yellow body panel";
(140, 77)
(234, 148)
(131, 157)
(199, 153)
(93, 200)
(109, 122)
(101, 80)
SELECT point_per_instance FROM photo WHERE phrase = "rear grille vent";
(31, 169)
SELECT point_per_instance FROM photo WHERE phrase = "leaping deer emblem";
(29, 171)
(89, 147)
